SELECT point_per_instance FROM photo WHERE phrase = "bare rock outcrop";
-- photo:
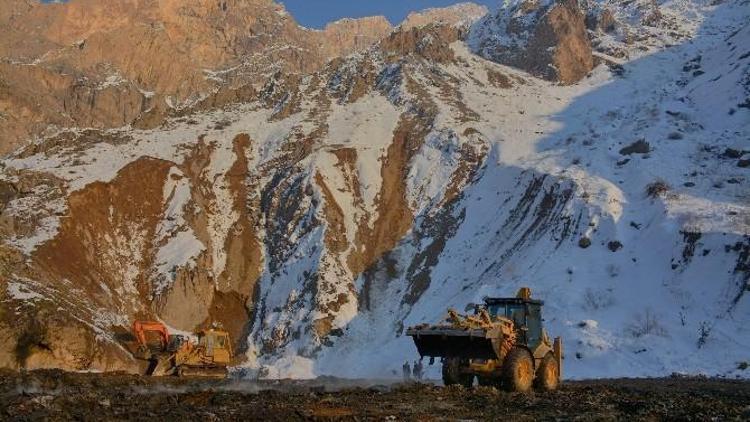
(462, 14)
(547, 39)
(348, 35)
(430, 42)
(601, 19)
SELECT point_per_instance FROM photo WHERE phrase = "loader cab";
(525, 313)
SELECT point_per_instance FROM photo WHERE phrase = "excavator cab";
(151, 338)
(176, 342)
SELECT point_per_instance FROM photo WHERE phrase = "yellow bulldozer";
(503, 344)
(209, 354)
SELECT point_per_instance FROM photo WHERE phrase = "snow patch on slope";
(177, 245)
(366, 125)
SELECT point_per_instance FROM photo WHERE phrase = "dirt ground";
(56, 395)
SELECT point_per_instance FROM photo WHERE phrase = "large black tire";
(548, 374)
(452, 374)
(518, 370)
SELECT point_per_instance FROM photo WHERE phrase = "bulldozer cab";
(216, 345)
(525, 313)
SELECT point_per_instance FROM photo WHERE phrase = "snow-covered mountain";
(320, 216)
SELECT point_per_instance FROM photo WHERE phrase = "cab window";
(512, 311)
(516, 313)
(494, 310)
(534, 325)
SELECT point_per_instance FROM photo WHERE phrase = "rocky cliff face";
(85, 63)
(462, 14)
(547, 39)
(92, 64)
(317, 214)
(348, 35)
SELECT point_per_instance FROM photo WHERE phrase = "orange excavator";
(173, 354)
(144, 331)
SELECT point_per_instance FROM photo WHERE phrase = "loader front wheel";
(548, 375)
(518, 371)
(453, 374)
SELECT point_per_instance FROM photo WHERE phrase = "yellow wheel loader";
(178, 355)
(503, 344)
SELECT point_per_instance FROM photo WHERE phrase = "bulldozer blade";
(211, 372)
(469, 344)
(159, 367)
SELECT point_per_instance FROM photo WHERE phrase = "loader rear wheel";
(548, 375)
(452, 374)
(518, 371)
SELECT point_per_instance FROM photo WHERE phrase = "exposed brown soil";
(55, 395)
(336, 236)
(118, 215)
(244, 258)
(498, 79)
(394, 215)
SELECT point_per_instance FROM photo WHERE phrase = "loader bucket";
(469, 344)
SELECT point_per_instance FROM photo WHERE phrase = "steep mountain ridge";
(86, 63)
(319, 220)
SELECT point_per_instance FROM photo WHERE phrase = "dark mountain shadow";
(647, 132)
(653, 101)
